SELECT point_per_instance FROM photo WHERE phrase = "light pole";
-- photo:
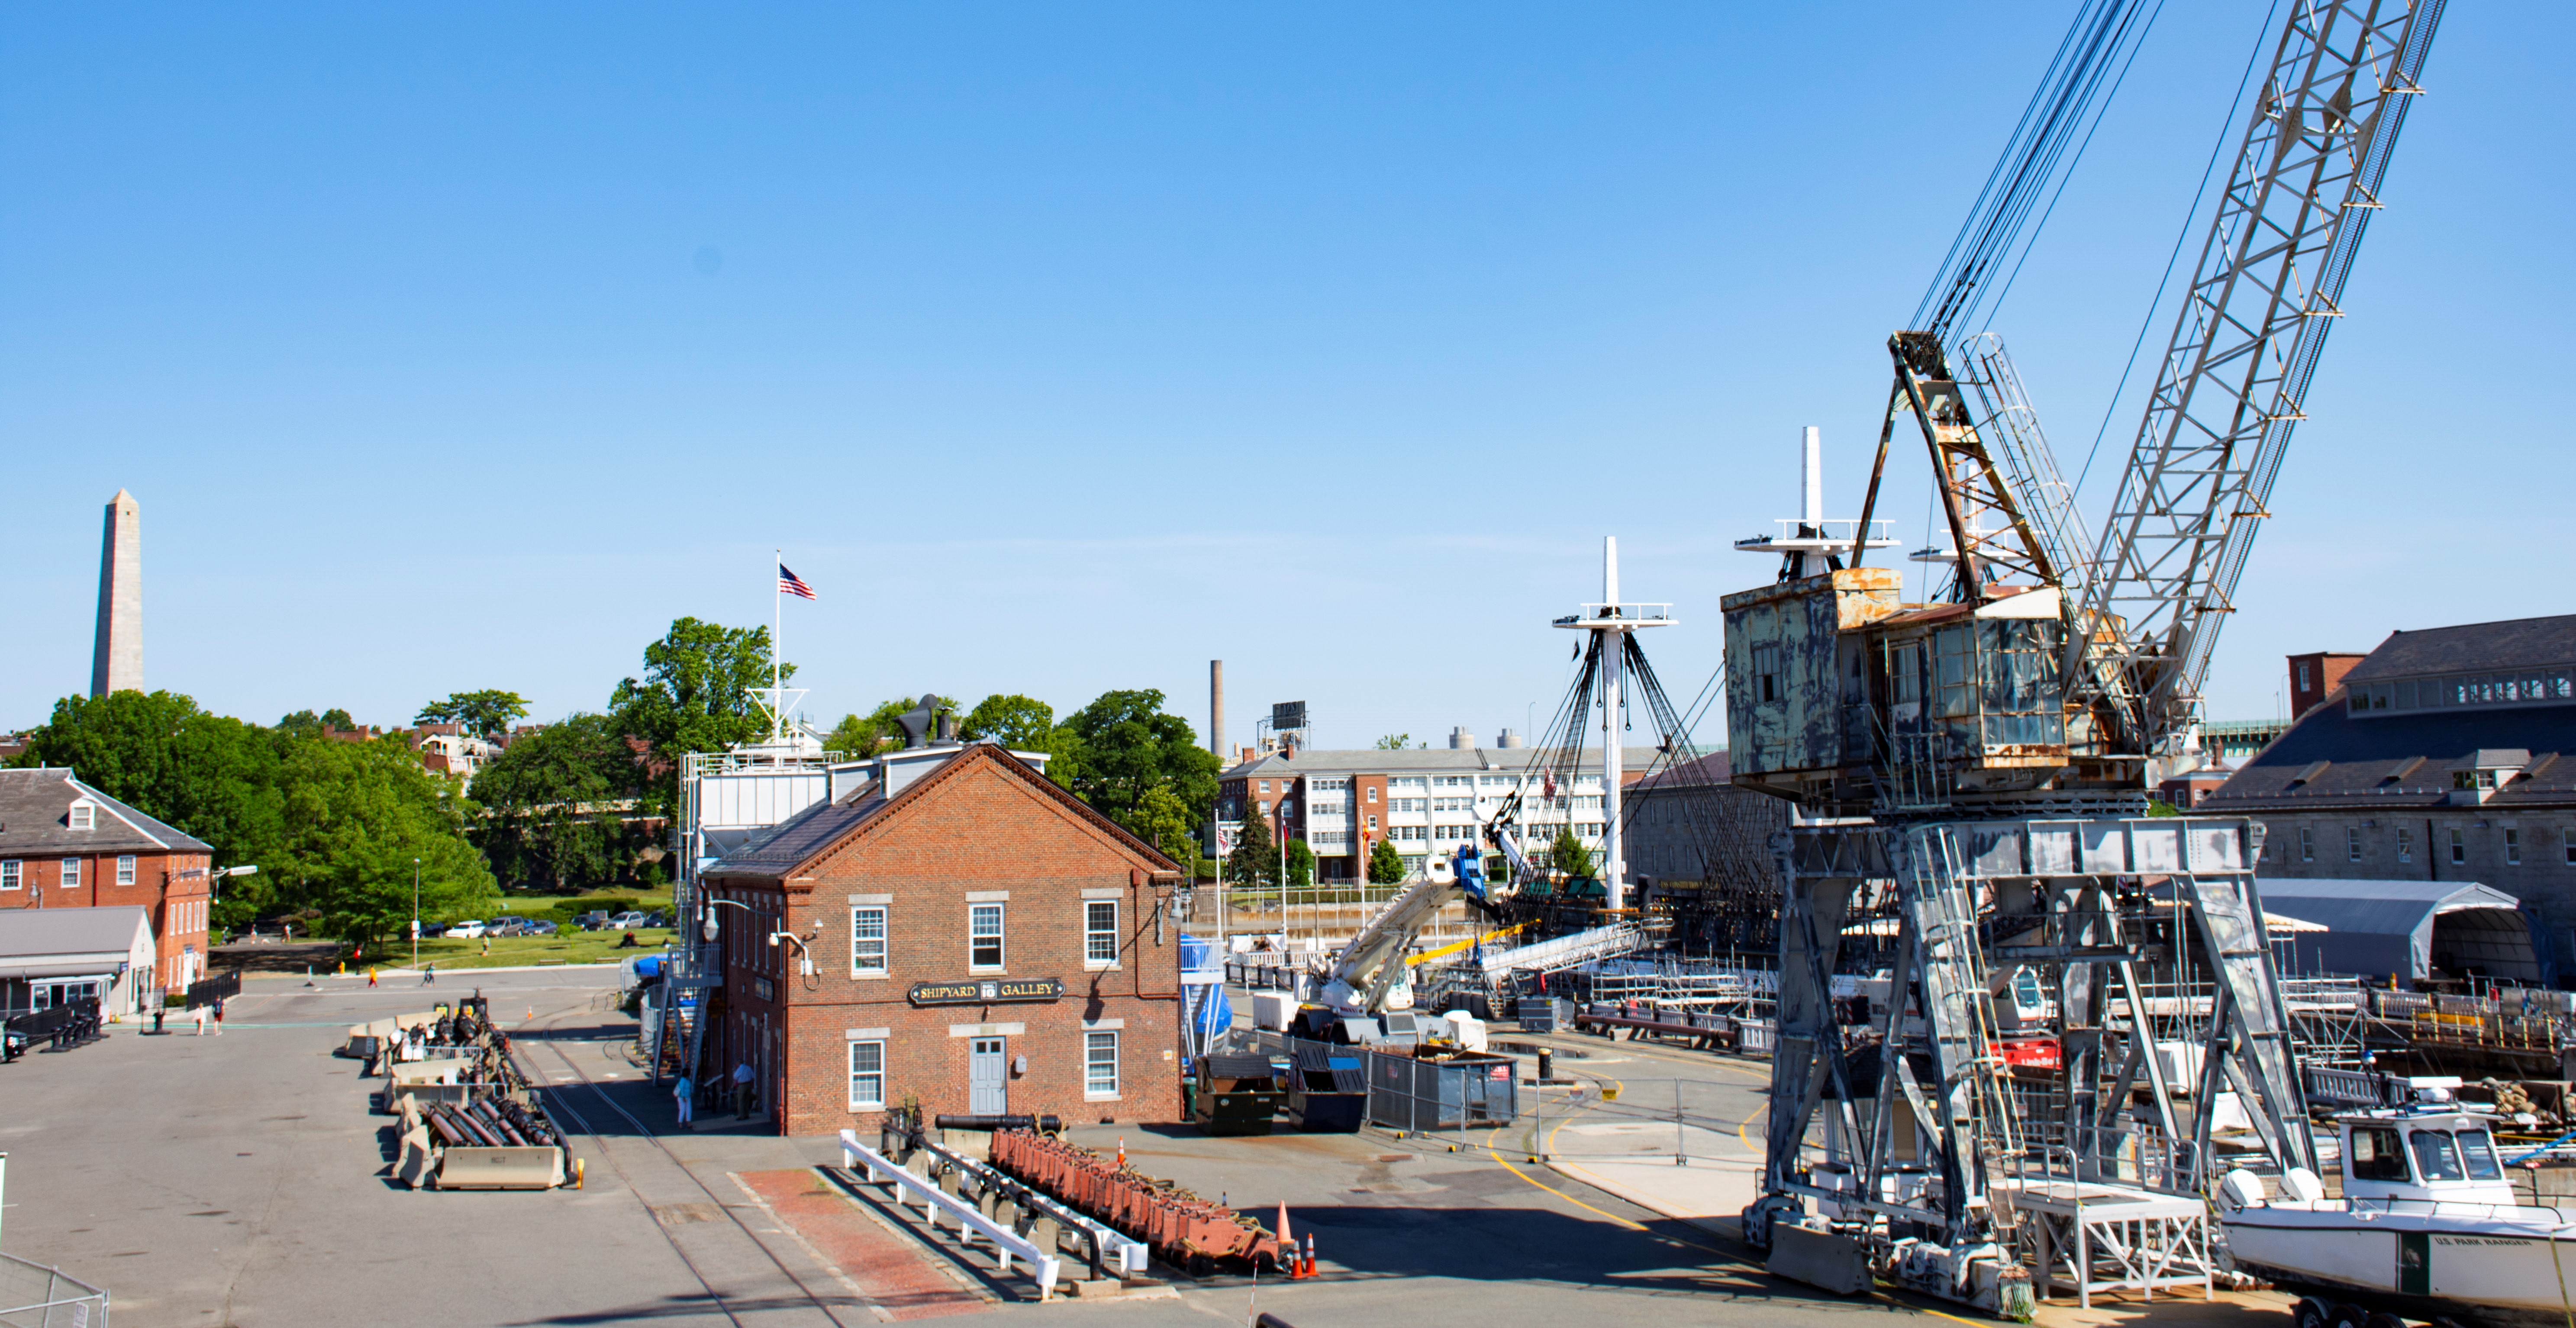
(415, 912)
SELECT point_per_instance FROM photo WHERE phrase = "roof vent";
(2314, 769)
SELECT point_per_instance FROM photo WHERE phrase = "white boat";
(2428, 1229)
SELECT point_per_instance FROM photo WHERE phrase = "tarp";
(2375, 928)
(1210, 1014)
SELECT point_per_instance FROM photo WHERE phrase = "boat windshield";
(2477, 1150)
(2375, 1155)
(2435, 1159)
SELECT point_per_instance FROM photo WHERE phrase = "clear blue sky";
(1069, 347)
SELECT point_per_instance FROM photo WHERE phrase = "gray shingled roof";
(36, 819)
(2403, 760)
(2521, 643)
(33, 933)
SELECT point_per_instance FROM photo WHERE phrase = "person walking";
(157, 1012)
(219, 1017)
(371, 975)
(742, 1090)
(685, 1093)
(428, 975)
(200, 1015)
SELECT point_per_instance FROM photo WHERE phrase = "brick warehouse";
(980, 940)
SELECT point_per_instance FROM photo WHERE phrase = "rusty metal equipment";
(1183, 1229)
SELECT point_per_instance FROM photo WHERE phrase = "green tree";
(549, 805)
(1255, 859)
(868, 734)
(695, 696)
(1569, 855)
(336, 718)
(1123, 745)
(356, 815)
(1394, 742)
(1165, 822)
(1301, 863)
(487, 713)
(1385, 865)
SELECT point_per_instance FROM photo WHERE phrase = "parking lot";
(239, 1180)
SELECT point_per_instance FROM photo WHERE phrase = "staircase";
(1975, 1104)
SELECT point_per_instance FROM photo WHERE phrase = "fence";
(1424, 1095)
(1667, 1122)
(35, 1296)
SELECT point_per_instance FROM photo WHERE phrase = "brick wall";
(981, 828)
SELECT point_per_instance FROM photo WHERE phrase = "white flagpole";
(777, 625)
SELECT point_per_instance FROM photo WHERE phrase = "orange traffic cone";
(1287, 1241)
(1122, 1153)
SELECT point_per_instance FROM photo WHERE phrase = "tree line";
(337, 823)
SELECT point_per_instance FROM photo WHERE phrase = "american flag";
(789, 585)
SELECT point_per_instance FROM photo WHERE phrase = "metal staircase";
(1976, 1118)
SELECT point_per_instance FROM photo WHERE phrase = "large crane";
(1987, 759)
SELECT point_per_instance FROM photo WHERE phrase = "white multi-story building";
(1342, 803)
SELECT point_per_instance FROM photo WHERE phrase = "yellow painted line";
(1507, 1166)
(1748, 1124)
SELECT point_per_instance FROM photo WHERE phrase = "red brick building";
(64, 844)
(980, 941)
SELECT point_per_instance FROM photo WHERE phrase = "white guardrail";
(1007, 1244)
(1120, 1254)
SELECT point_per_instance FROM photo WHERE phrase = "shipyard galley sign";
(987, 991)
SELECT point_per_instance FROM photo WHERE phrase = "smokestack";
(1508, 740)
(1460, 740)
(1216, 708)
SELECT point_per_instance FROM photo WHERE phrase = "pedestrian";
(428, 974)
(371, 975)
(200, 1015)
(157, 1012)
(219, 1018)
(487, 947)
(742, 1090)
(683, 1092)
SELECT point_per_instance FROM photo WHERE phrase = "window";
(125, 870)
(9, 879)
(984, 936)
(2303, 676)
(2307, 844)
(2375, 1155)
(1372, 793)
(1411, 782)
(1264, 804)
(1099, 932)
(1099, 1065)
(2513, 847)
(867, 940)
(2351, 844)
(2477, 1152)
(867, 1075)
(2567, 845)
(2459, 848)
(2435, 1157)
(84, 816)
(1265, 787)
(71, 873)
(1372, 820)
(2406, 846)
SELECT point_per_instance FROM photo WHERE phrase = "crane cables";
(2092, 59)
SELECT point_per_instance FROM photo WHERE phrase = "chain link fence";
(35, 1296)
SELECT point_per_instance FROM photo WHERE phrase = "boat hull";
(2416, 1269)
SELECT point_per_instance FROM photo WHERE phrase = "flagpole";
(777, 625)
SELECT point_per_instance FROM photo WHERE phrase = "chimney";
(1460, 740)
(1508, 741)
(1216, 707)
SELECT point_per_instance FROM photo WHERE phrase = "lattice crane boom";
(2265, 294)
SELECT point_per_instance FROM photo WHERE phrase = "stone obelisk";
(117, 663)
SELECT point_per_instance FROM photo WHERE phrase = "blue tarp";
(1203, 996)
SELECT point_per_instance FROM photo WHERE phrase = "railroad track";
(560, 1104)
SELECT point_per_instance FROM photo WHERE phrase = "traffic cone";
(1285, 1239)
(1122, 1152)
(1310, 1254)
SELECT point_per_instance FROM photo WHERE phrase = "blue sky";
(1066, 348)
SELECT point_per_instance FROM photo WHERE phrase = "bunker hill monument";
(117, 662)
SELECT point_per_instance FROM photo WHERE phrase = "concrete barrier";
(1839, 1264)
(501, 1168)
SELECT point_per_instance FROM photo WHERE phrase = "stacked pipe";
(1182, 1228)
(489, 1123)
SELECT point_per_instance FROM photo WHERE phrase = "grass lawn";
(581, 947)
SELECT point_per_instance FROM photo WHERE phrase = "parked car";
(656, 919)
(430, 930)
(470, 929)
(627, 921)
(592, 920)
(539, 927)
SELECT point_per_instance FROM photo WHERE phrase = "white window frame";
(1096, 936)
(2307, 844)
(2352, 843)
(125, 869)
(975, 914)
(12, 874)
(84, 816)
(2512, 846)
(2459, 847)
(884, 940)
(1094, 1041)
(2567, 844)
(71, 873)
(875, 1048)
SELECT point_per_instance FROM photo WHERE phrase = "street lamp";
(415, 912)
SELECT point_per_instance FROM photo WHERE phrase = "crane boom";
(2265, 293)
